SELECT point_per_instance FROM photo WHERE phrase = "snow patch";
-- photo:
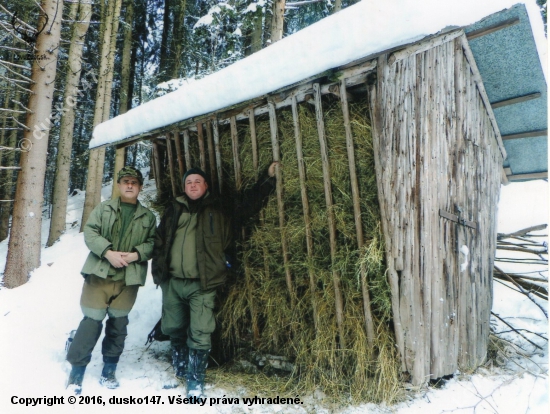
(465, 251)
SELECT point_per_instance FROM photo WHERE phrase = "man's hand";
(130, 257)
(116, 259)
(271, 169)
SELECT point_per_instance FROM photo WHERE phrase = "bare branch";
(12, 32)
(4, 62)
(522, 249)
(20, 124)
(23, 106)
(13, 16)
(12, 111)
(302, 3)
(13, 82)
(518, 285)
(516, 331)
(522, 232)
(521, 329)
(14, 49)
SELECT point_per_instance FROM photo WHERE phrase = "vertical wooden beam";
(247, 272)
(171, 166)
(369, 324)
(254, 140)
(186, 149)
(218, 152)
(179, 154)
(211, 156)
(202, 154)
(158, 177)
(383, 169)
(338, 298)
(255, 165)
(305, 208)
(235, 148)
(280, 204)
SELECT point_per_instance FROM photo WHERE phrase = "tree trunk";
(256, 35)
(177, 41)
(6, 105)
(24, 245)
(102, 107)
(64, 151)
(278, 20)
(164, 43)
(337, 7)
(125, 96)
(6, 192)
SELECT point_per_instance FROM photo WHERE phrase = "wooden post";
(247, 275)
(338, 298)
(305, 207)
(218, 152)
(254, 139)
(158, 177)
(186, 149)
(179, 155)
(255, 165)
(235, 148)
(278, 175)
(171, 166)
(202, 155)
(211, 156)
(380, 146)
(369, 324)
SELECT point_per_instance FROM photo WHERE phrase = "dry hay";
(358, 372)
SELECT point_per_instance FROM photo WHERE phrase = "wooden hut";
(439, 160)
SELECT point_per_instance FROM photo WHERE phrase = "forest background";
(66, 66)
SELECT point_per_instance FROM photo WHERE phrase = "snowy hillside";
(36, 318)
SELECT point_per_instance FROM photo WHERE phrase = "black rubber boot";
(180, 358)
(196, 371)
(75, 379)
(108, 378)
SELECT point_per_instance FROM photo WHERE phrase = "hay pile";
(256, 310)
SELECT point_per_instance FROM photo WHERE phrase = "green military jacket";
(99, 239)
(212, 237)
(213, 232)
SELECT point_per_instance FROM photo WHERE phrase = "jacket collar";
(206, 199)
(114, 203)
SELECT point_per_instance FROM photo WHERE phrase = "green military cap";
(130, 172)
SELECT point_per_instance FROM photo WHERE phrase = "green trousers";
(188, 313)
(99, 298)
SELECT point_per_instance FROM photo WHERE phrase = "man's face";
(195, 186)
(129, 189)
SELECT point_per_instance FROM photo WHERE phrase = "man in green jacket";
(189, 263)
(120, 236)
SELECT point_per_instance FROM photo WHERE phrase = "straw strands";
(258, 313)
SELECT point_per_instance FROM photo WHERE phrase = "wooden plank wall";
(436, 148)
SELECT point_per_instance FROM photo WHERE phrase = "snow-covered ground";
(36, 318)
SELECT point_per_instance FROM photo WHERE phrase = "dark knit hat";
(130, 172)
(194, 170)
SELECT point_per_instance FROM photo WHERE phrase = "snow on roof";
(363, 29)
